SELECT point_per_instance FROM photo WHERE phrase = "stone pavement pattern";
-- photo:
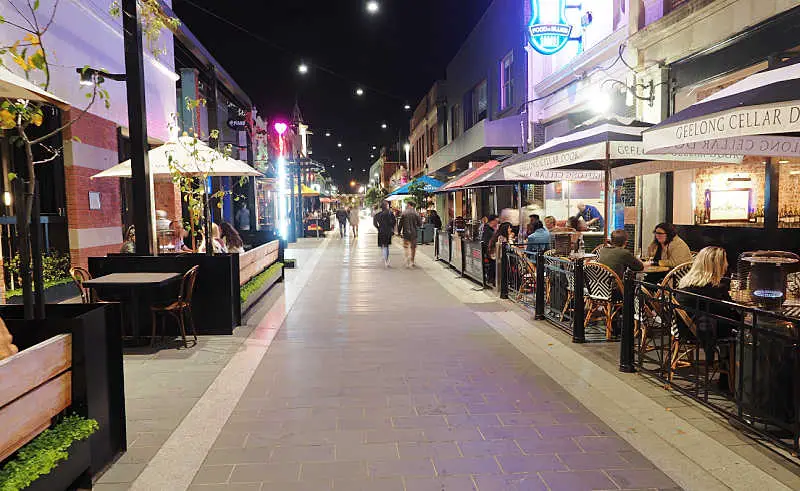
(381, 380)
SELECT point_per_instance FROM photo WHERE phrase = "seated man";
(617, 257)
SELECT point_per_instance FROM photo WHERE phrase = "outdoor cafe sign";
(754, 130)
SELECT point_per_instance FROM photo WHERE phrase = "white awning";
(13, 86)
(190, 158)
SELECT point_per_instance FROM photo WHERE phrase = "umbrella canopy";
(759, 115)
(207, 161)
(431, 185)
(499, 175)
(615, 141)
(307, 191)
(15, 87)
(468, 178)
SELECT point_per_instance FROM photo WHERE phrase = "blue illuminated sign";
(549, 31)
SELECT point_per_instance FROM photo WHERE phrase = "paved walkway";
(381, 380)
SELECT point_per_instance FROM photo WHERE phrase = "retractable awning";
(759, 115)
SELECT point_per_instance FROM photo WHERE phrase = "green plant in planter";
(257, 281)
(43, 453)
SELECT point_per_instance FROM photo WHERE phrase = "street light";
(327, 133)
(373, 7)
(302, 68)
(352, 184)
(372, 155)
(348, 159)
(384, 126)
(359, 91)
(339, 144)
(374, 147)
(407, 107)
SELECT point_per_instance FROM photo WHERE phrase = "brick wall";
(90, 147)
(168, 198)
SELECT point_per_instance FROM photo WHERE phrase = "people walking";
(385, 222)
(354, 219)
(407, 228)
(341, 217)
(243, 218)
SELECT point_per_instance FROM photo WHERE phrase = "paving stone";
(306, 453)
(252, 486)
(384, 484)
(367, 451)
(402, 467)
(467, 466)
(643, 478)
(577, 481)
(449, 483)
(214, 474)
(122, 473)
(279, 473)
(516, 464)
(532, 446)
(528, 482)
(489, 448)
(443, 450)
(594, 461)
(333, 470)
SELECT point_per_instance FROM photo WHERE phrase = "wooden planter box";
(72, 361)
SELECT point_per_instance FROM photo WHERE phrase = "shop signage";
(456, 257)
(742, 131)
(635, 151)
(595, 151)
(548, 31)
(238, 124)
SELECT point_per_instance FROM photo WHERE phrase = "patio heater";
(763, 274)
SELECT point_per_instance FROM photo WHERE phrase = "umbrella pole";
(607, 199)
(207, 211)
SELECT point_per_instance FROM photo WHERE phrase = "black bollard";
(578, 328)
(626, 347)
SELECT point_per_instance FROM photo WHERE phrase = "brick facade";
(168, 198)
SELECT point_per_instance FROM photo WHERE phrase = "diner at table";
(667, 250)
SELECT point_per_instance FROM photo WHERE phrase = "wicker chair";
(79, 275)
(180, 309)
(601, 284)
(603, 245)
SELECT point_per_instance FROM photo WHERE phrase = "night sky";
(395, 56)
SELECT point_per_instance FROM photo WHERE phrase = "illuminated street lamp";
(384, 126)
(302, 68)
(327, 133)
(373, 7)
(359, 91)
(352, 184)
(348, 159)
(339, 144)
(407, 107)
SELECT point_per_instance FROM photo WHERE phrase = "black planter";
(69, 474)
(54, 294)
(98, 388)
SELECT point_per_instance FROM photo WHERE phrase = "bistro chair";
(79, 275)
(676, 275)
(603, 291)
(603, 245)
(527, 273)
(180, 309)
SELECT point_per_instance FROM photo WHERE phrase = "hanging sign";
(548, 31)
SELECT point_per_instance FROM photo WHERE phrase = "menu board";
(444, 246)
(729, 205)
(473, 260)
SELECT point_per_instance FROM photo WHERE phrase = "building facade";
(428, 129)
(485, 91)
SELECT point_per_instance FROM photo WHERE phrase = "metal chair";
(179, 309)
(601, 284)
(79, 275)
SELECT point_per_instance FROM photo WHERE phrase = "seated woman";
(231, 240)
(706, 278)
(667, 249)
(129, 246)
(538, 240)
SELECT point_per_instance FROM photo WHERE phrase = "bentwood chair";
(180, 309)
(603, 291)
(79, 275)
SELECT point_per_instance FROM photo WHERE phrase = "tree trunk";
(36, 252)
(23, 247)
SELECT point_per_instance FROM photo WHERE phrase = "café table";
(134, 284)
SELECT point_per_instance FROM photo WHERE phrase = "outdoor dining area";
(709, 303)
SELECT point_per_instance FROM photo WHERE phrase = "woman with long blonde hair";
(710, 319)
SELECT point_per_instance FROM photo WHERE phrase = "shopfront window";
(506, 81)
(480, 102)
(721, 195)
(561, 198)
(788, 198)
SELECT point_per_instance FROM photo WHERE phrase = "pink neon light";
(280, 128)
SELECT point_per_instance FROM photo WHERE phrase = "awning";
(13, 86)
(615, 140)
(759, 115)
(307, 191)
(431, 185)
(181, 155)
(468, 178)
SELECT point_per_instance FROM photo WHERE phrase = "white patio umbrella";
(207, 162)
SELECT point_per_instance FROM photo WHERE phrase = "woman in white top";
(353, 218)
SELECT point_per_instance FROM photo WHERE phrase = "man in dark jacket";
(385, 222)
(617, 257)
(435, 220)
(341, 217)
(489, 265)
(407, 227)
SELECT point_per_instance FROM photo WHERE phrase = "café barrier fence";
(743, 362)
(467, 257)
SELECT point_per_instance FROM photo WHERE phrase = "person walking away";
(341, 217)
(243, 218)
(407, 227)
(354, 218)
(385, 222)
(617, 257)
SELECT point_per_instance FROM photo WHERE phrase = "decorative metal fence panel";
(520, 274)
(741, 361)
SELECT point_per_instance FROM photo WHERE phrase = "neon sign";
(549, 31)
